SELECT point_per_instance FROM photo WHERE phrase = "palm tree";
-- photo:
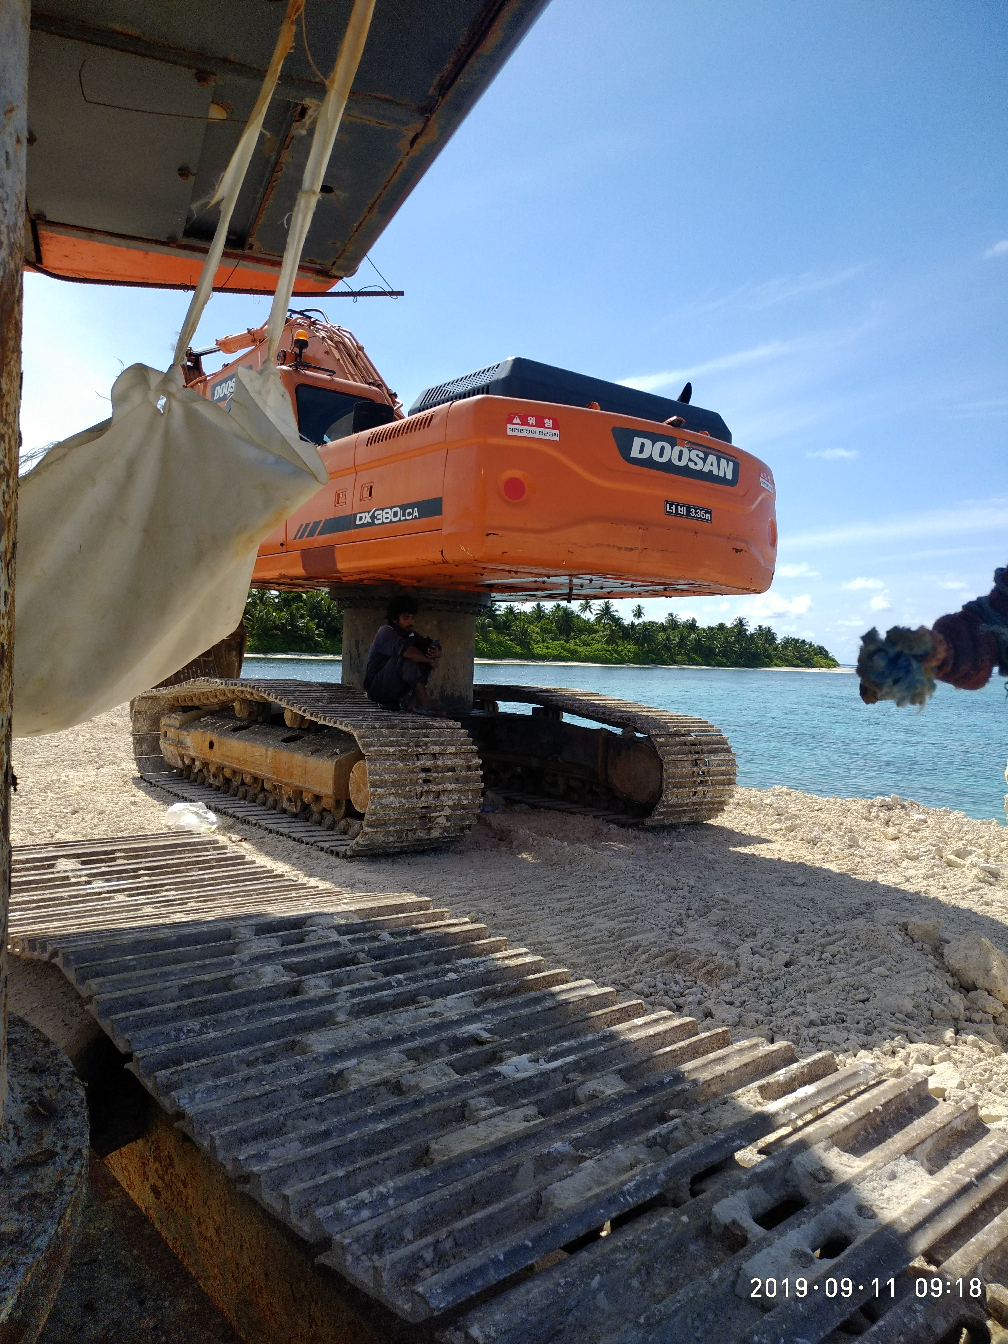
(638, 612)
(608, 619)
(585, 608)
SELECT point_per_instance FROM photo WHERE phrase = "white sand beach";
(824, 921)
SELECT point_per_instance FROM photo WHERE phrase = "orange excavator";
(519, 481)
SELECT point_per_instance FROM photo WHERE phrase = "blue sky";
(803, 208)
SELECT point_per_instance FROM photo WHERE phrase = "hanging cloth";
(137, 538)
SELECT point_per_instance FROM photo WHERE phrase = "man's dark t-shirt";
(387, 677)
(387, 643)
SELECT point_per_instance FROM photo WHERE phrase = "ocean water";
(808, 730)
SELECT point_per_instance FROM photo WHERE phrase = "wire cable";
(367, 258)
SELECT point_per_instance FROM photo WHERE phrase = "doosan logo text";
(224, 389)
(682, 456)
(677, 457)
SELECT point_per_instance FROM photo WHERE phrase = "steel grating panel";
(440, 1115)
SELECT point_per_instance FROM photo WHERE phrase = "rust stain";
(258, 1274)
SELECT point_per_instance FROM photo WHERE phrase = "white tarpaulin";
(137, 538)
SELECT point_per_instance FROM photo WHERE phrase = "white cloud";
(793, 287)
(780, 289)
(834, 454)
(650, 382)
(796, 571)
(955, 586)
(986, 406)
(998, 250)
(856, 585)
(772, 604)
(993, 409)
(902, 556)
(85, 382)
(880, 603)
(969, 518)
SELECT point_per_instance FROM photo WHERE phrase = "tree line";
(292, 622)
(589, 633)
(596, 633)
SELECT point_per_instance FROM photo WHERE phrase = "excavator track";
(663, 769)
(423, 781)
(500, 1153)
(425, 776)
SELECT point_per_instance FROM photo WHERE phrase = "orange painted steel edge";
(69, 256)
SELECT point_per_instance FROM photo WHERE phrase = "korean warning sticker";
(533, 427)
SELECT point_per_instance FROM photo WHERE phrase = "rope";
(231, 183)
(992, 620)
(894, 668)
(329, 116)
(330, 113)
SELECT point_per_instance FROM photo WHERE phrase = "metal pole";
(13, 145)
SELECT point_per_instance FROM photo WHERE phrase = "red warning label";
(533, 426)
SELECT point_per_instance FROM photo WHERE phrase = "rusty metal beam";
(360, 107)
(13, 146)
(102, 210)
(254, 1270)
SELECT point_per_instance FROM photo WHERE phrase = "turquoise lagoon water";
(808, 730)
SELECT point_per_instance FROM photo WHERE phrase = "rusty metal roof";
(134, 110)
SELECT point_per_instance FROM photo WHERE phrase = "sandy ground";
(818, 920)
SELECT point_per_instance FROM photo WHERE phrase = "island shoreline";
(546, 662)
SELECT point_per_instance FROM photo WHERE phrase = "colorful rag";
(962, 648)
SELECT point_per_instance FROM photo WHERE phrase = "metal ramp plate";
(504, 1153)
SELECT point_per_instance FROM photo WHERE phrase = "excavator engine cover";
(528, 380)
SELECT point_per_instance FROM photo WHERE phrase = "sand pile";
(829, 922)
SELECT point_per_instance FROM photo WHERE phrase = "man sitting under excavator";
(400, 661)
